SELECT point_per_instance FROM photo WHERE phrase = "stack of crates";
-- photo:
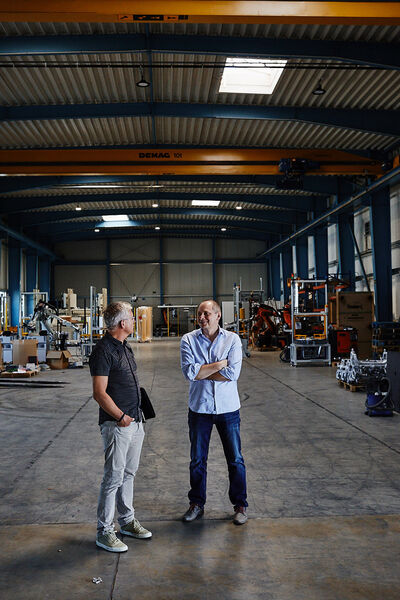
(385, 335)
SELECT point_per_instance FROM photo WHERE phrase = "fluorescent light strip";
(115, 218)
(205, 202)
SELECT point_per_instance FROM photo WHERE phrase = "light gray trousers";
(122, 448)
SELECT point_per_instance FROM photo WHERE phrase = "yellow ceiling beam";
(201, 11)
(178, 161)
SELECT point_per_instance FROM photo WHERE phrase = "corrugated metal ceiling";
(323, 32)
(55, 133)
(193, 187)
(162, 204)
(373, 89)
(345, 89)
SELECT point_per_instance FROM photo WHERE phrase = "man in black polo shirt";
(116, 389)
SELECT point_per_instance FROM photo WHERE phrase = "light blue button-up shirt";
(207, 396)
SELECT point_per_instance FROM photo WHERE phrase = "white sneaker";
(135, 529)
(110, 542)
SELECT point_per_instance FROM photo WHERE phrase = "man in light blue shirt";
(211, 359)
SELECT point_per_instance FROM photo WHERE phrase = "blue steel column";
(161, 258)
(320, 239)
(382, 254)
(275, 276)
(287, 270)
(31, 279)
(214, 268)
(302, 257)
(14, 281)
(44, 274)
(346, 255)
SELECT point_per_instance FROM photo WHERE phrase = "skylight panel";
(205, 202)
(254, 77)
(115, 218)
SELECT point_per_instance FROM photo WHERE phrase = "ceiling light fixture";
(157, 228)
(155, 205)
(115, 218)
(205, 202)
(78, 207)
(239, 207)
(142, 83)
(223, 228)
(96, 230)
(319, 90)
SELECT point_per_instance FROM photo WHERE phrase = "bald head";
(208, 316)
(212, 305)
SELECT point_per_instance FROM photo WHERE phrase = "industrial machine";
(45, 316)
(243, 301)
(267, 327)
(358, 372)
(48, 328)
(371, 374)
(309, 322)
(342, 341)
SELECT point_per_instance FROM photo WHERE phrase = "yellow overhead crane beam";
(178, 161)
(201, 11)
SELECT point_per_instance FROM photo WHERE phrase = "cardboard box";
(58, 359)
(24, 351)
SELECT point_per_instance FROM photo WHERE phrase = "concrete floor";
(323, 482)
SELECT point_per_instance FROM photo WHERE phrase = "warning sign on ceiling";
(146, 18)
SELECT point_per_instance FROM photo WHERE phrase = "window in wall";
(367, 235)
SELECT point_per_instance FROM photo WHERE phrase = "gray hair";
(115, 313)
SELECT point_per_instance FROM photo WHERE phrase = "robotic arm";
(44, 314)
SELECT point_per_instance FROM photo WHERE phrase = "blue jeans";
(228, 427)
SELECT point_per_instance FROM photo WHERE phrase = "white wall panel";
(138, 280)
(311, 256)
(91, 250)
(134, 249)
(332, 249)
(179, 248)
(228, 275)
(79, 279)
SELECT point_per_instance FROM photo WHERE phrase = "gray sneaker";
(136, 530)
(110, 542)
(240, 517)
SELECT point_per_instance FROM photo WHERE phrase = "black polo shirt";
(115, 360)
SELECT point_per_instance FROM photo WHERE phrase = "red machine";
(342, 341)
(266, 330)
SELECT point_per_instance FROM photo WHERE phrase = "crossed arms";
(195, 369)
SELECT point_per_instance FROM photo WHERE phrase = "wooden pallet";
(15, 375)
(352, 387)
